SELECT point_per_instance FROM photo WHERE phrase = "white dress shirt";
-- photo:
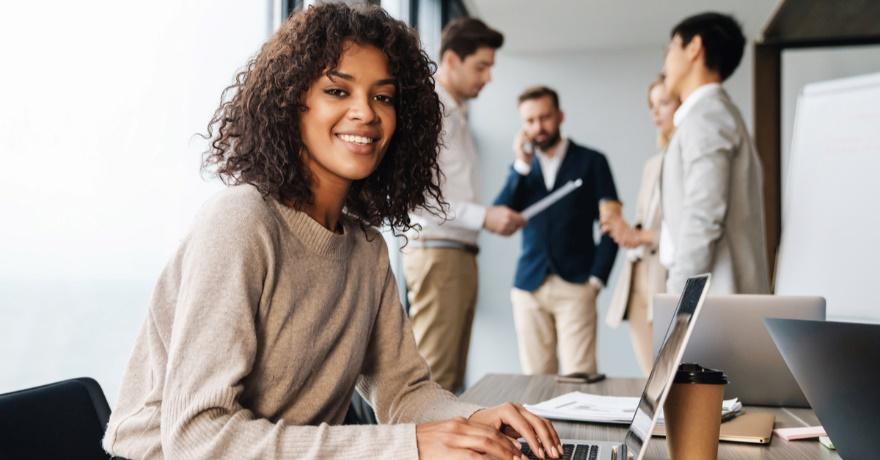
(460, 185)
(549, 164)
(667, 245)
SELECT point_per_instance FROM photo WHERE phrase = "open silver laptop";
(732, 338)
(635, 443)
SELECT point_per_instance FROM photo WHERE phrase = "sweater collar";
(314, 236)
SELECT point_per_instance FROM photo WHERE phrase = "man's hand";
(515, 421)
(503, 220)
(521, 154)
(460, 438)
(615, 226)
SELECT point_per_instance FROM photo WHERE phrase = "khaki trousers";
(556, 327)
(640, 328)
(442, 292)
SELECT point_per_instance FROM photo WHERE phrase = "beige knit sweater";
(258, 331)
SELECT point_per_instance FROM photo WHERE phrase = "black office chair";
(60, 420)
(359, 412)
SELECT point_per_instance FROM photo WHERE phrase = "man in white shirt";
(440, 264)
(711, 189)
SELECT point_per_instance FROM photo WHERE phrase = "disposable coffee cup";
(692, 413)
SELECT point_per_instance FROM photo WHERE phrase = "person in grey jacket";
(711, 184)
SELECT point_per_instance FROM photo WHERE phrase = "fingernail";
(561, 450)
(555, 452)
(541, 453)
(518, 445)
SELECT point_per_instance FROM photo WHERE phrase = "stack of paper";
(585, 407)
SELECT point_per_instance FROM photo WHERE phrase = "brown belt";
(445, 244)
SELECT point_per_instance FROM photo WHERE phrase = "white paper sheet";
(585, 407)
(548, 200)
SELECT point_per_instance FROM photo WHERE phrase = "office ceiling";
(558, 25)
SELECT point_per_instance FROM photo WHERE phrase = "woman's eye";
(335, 92)
(385, 99)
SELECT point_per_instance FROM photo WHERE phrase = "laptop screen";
(666, 364)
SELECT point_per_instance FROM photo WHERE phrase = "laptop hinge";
(619, 452)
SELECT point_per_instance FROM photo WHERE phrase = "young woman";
(643, 275)
(280, 302)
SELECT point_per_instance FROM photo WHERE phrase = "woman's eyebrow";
(386, 82)
(337, 74)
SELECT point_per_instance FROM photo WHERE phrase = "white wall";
(101, 100)
(604, 96)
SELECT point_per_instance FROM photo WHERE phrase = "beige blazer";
(712, 200)
(656, 278)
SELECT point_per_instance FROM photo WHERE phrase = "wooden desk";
(495, 389)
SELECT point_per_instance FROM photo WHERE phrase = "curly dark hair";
(255, 137)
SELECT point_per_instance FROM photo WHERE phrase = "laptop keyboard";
(569, 452)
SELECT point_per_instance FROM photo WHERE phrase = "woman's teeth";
(356, 139)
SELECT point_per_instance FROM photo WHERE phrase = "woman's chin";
(355, 173)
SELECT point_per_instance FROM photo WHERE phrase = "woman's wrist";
(648, 237)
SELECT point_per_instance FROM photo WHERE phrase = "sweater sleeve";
(395, 378)
(212, 350)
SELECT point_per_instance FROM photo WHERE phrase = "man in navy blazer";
(561, 269)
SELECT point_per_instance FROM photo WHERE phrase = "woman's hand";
(460, 438)
(626, 236)
(515, 421)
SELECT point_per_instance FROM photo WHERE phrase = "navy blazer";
(560, 239)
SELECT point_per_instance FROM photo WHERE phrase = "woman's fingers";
(485, 440)
(544, 429)
(513, 417)
(461, 439)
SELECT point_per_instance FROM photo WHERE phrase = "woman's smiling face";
(350, 117)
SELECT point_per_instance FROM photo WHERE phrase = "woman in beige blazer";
(643, 275)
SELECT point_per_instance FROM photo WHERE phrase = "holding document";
(561, 269)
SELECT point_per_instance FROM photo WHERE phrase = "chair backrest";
(65, 419)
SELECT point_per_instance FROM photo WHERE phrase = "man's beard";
(550, 141)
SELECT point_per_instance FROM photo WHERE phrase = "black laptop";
(837, 365)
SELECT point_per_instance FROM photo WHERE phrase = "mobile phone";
(580, 377)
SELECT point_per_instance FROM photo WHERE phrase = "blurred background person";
(561, 269)
(712, 183)
(440, 261)
(642, 274)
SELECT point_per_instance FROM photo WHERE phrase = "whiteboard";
(830, 242)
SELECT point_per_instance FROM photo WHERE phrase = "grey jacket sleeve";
(709, 142)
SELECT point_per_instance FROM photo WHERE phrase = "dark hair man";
(440, 264)
(713, 210)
